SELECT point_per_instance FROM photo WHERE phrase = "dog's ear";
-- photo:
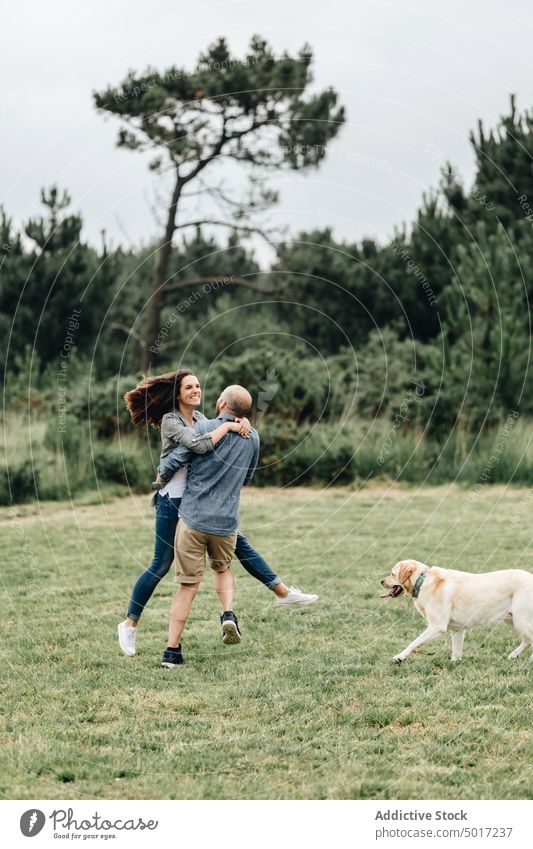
(406, 570)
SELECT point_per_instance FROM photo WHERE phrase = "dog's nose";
(382, 582)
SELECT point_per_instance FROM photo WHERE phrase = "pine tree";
(58, 283)
(256, 112)
(487, 332)
(503, 185)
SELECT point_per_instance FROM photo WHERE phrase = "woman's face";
(190, 392)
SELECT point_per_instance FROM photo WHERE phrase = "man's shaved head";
(238, 400)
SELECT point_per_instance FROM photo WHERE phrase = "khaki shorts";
(190, 550)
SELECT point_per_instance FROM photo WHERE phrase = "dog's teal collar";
(418, 585)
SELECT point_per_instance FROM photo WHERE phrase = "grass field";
(309, 705)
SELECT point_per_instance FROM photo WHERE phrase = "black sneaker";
(172, 657)
(230, 628)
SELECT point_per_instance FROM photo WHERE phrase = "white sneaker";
(126, 637)
(296, 596)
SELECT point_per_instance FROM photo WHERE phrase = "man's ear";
(406, 570)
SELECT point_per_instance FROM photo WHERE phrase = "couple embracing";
(204, 463)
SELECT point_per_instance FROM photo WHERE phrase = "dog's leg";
(457, 644)
(517, 652)
(432, 632)
(522, 613)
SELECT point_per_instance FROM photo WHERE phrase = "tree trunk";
(150, 350)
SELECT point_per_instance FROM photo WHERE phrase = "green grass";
(309, 705)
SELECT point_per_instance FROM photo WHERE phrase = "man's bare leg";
(179, 612)
(225, 588)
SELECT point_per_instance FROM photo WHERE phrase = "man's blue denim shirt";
(210, 502)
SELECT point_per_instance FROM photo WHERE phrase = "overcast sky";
(414, 76)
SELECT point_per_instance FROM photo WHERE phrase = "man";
(209, 518)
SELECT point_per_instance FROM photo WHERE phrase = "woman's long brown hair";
(155, 396)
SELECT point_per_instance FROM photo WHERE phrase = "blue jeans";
(166, 519)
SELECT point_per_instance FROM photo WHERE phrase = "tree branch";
(214, 153)
(230, 280)
(255, 125)
(232, 225)
(128, 331)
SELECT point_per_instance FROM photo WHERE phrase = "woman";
(169, 402)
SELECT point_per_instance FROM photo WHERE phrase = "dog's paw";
(398, 659)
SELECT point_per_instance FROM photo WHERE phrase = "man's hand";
(241, 426)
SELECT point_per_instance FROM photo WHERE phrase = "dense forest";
(409, 359)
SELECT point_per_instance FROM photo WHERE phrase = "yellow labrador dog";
(453, 601)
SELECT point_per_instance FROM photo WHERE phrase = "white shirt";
(176, 485)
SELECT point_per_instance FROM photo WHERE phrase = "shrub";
(102, 404)
(18, 482)
(121, 464)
